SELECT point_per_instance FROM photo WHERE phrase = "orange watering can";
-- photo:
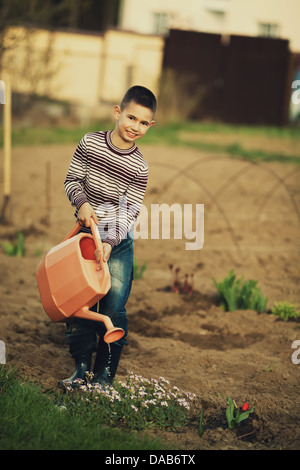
(70, 281)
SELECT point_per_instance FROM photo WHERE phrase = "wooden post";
(48, 193)
(7, 150)
(46, 219)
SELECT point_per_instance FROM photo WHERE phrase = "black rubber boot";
(82, 365)
(106, 362)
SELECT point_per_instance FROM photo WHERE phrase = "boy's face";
(132, 123)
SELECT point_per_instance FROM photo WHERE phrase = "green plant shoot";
(15, 249)
(234, 418)
(138, 271)
(286, 311)
(234, 294)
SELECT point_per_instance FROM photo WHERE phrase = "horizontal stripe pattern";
(112, 180)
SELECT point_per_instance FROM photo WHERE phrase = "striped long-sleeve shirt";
(112, 180)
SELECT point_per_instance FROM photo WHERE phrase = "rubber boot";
(82, 365)
(106, 362)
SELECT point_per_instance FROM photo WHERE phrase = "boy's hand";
(85, 213)
(106, 254)
(106, 251)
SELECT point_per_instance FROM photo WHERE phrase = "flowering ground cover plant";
(137, 402)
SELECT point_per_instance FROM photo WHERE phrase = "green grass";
(50, 135)
(171, 134)
(30, 420)
(237, 151)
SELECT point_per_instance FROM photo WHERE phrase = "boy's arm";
(74, 184)
(129, 209)
(75, 179)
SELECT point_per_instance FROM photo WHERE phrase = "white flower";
(164, 380)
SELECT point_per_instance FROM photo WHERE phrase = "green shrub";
(285, 311)
(235, 295)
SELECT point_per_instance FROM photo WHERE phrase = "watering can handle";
(97, 240)
(95, 233)
(73, 232)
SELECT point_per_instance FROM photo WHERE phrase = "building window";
(160, 23)
(269, 30)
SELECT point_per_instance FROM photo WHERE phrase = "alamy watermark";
(156, 223)
(296, 93)
(2, 92)
(296, 354)
(2, 352)
(188, 223)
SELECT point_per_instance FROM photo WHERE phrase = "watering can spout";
(112, 334)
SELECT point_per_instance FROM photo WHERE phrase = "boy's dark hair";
(140, 95)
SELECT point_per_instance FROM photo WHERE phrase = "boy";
(107, 181)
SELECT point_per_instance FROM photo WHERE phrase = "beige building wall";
(242, 17)
(77, 59)
(130, 59)
(64, 66)
(87, 70)
(246, 17)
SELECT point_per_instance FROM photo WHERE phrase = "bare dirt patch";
(251, 225)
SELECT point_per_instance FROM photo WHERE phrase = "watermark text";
(2, 92)
(159, 221)
(296, 93)
(296, 354)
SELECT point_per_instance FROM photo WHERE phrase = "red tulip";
(245, 406)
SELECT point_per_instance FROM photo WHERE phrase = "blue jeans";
(81, 334)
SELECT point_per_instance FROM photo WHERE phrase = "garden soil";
(251, 225)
